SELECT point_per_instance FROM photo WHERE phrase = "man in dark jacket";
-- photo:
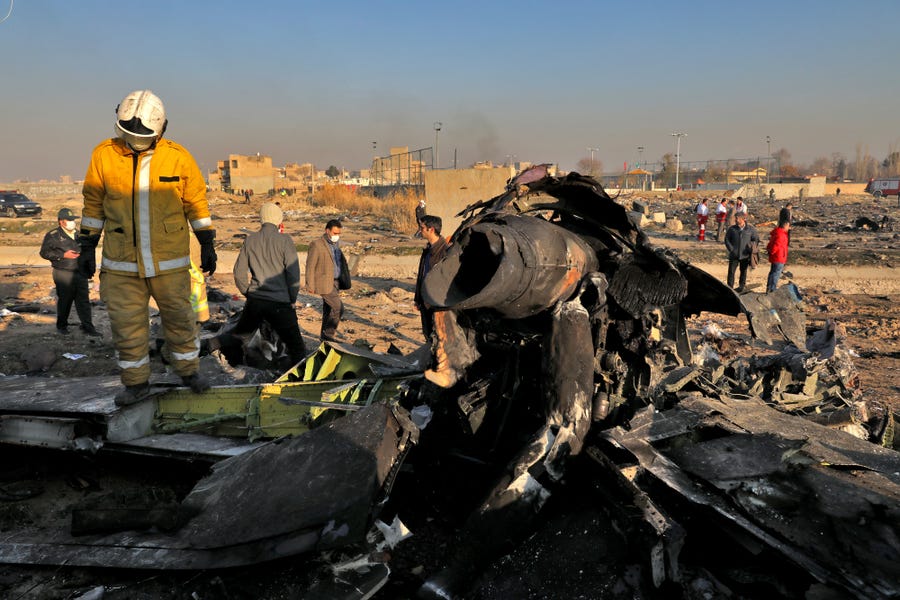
(739, 240)
(62, 249)
(434, 252)
(267, 273)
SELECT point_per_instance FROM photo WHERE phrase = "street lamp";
(678, 135)
(592, 150)
(768, 157)
(437, 130)
(640, 150)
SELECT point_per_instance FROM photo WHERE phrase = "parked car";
(13, 204)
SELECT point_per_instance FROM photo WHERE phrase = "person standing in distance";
(145, 194)
(738, 241)
(61, 248)
(434, 252)
(778, 251)
(324, 268)
(721, 217)
(702, 218)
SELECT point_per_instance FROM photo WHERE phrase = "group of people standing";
(742, 241)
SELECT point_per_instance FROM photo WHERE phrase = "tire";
(11, 213)
(877, 193)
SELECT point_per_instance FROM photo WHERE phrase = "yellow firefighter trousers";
(127, 300)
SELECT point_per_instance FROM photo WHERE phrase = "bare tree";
(865, 165)
(593, 168)
(667, 170)
(783, 159)
(821, 165)
(891, 164)
(839, 165)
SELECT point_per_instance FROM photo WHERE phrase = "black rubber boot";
(132, 394)
(197, 382)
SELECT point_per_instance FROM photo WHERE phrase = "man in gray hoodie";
(267, 273)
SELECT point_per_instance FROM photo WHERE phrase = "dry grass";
(398, 208)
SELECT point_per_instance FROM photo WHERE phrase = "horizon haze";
(320, 82)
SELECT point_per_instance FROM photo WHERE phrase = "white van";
(884, 186)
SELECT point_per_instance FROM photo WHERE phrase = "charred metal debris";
(561, 340)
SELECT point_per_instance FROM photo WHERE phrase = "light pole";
(768, 156)
(678, 135)
(640, 150)
(592, 150)
(437, 155)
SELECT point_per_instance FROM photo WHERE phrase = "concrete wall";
(846, 188)
(47, 189)
(448, 191)
(260, 184)
(814, 188)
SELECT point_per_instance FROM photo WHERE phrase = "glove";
(208, 257)
(87, 260)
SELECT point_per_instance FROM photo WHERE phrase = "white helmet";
(140, 119)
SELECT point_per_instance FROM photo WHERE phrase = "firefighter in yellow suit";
(145, 194)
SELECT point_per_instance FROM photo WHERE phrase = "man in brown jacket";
(323, 269)
(434, 252)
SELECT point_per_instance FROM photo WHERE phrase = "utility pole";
(592, 150)
(678, 135)
(437, 155)
(768, 156)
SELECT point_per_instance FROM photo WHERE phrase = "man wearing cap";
(145, 194)
(61, 248)
(267, 273)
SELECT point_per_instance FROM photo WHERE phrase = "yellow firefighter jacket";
(144, 203)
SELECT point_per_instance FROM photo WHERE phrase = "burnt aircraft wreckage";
(560, 339)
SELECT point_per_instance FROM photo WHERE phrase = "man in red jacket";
(778, 251)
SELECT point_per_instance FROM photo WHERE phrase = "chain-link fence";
(402, 169)
(720, 174)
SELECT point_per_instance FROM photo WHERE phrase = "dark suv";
(13, 204)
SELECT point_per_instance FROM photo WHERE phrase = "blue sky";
(320, 81)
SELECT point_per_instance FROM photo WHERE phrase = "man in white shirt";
(721, 217)
(702, 218)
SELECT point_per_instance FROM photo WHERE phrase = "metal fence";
(718, 174)
(402, 169)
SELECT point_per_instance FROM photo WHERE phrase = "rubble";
(565, 332)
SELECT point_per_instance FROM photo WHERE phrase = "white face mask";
(334, 239)
(70, 225)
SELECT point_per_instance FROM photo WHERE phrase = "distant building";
(240, 173)
(751, 176)
(295, 177)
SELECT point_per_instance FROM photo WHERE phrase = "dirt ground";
(847, 273)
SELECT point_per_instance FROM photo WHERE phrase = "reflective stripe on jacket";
(144, 203)
(198, 294)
